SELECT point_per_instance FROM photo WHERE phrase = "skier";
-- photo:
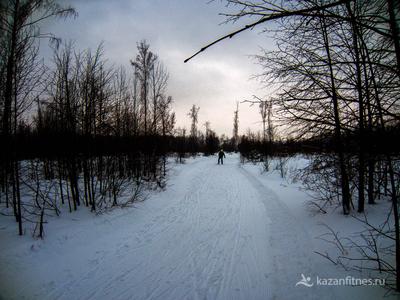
(221, 156)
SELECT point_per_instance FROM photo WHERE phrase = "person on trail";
(221, 156)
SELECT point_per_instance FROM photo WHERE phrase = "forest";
(80, 131)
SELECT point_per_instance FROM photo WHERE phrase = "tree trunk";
(344, 180)
(361, 154)
(10, 70)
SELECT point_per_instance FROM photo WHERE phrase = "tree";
(211, 142)
(158, 83)
(167, 116)
(20, 31)
(193, 114)
(270, 125)
(63, 90)
(144, 64)
(207, 125)
(265, 109)
(235, 134)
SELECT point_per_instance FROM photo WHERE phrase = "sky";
(175, 29)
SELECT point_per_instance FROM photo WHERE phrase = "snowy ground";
(217, 232)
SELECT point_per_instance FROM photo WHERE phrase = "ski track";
(221, 235)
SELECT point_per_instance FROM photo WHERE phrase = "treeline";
(90, 99)
(88, 106)
(77, 131)
(379, 142)
(79, 93)
(335, 74)
(84, 98)
(337, 78)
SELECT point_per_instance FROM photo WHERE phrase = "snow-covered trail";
(219, 233)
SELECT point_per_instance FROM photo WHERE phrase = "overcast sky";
(175, 29)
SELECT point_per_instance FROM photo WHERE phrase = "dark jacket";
(221, 154)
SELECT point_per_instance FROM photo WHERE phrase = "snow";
(216, 232)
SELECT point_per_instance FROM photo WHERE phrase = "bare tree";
(20, 21)
(235, 134)
(265, 109)
(21, 73)
(270, 124)
(167, 116)
(144, 64)
(63, 89)
(158, 83)
(193, 114)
